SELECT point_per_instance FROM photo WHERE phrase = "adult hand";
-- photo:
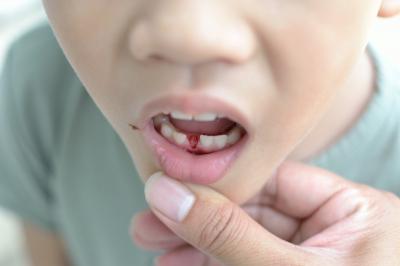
(303, 216)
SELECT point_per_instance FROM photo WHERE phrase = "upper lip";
(192, 103)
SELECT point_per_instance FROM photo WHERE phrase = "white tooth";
(179, 138)
(220, 141)
(234, 135)
(206, 141)
(166, 130)
(205, 117)
(181, 116)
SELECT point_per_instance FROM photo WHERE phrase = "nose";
(191, 32)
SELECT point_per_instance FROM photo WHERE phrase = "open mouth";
(201, 134)
(195, 148)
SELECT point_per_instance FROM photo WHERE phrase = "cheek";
(311, 52)
(88, 33)
(313, 49)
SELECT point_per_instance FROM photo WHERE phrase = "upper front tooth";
(181, 116)
(205, 117)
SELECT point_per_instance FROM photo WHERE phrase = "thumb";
(218, 227)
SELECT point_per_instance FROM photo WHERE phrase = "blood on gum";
(193, 140)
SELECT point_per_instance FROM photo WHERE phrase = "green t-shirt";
(63, 167)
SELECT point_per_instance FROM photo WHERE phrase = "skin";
(299, 71)
(343, 223)
(297, 97)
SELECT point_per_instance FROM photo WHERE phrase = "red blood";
(193, 140)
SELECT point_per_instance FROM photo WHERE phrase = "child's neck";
(347, 108)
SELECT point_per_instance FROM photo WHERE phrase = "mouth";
(197, 147)
(202, 134)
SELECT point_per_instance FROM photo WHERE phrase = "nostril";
(157, 58)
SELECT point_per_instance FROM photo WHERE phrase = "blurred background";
(18, 16)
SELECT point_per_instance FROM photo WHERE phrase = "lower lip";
(182, 165)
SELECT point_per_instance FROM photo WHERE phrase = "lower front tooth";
(179, 138)
(220, 141)
(206, 141)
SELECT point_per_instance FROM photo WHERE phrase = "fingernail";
(168, 196)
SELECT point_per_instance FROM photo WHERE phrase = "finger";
(336, 217)
(183, 256)
(149, 232)
(298, 190)
(216, 226)
(279, 224)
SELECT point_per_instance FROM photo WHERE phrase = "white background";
(16, 16)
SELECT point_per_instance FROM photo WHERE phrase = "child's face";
(277, 63)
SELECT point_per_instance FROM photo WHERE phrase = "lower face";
(265, 70)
